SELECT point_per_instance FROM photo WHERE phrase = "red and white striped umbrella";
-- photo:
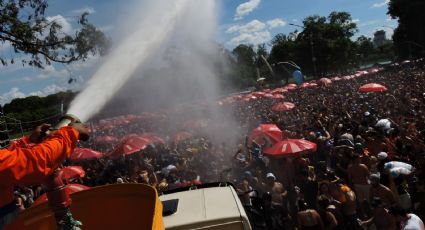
(72, 172)
(82, 154)
(372, 87)
(268, 95)
(278, 91)
(70, 189)
(105, 139)
(268, 130)
(290, 147)
(284, 106)
(258, 94)
(130, 144)
(181, 136)
(278, 97)
(325, 81)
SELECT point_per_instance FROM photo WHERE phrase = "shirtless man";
(308, 218)
(278, 197)
(381, 218)
(276, 189)
(359, 175)
(378, 190)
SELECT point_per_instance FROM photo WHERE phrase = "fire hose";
(58, 198)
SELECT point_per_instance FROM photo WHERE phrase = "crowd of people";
(344, 184)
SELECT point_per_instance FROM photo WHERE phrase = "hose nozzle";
(66, 120)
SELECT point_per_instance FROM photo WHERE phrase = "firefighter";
(30, 160)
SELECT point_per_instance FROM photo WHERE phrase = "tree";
(245, 65)
(34, 110)
(283, 49)
(409, 36)
(329, 39)
(244, 54)
(24, 26)
(364, 46)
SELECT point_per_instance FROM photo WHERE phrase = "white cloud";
(368, 23)
(50, 71)
(355, 20)
(254, 32)
(106, 28)
(254, 38)
(277, 22)
(87, 9)
(12, 94)
(252, 26)
(51, 89)
(380, 4)
(246, 8)
(66, 26)
(17, 93)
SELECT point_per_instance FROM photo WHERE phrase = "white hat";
(382, 156)
(270, 175)
(120, 180)
(261, 79)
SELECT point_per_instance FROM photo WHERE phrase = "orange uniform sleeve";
(30, 166)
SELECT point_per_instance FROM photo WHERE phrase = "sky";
(239, 22)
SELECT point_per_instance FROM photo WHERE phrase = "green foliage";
(409, 36)
(35, 108)
(364, 46)
(324, 43)
(24, 26)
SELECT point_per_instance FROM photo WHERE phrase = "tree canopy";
(409, 36)
(25, 27)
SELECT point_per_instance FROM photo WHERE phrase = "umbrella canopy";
(195, 124)
(267, 130)
(278, 97)
(268, 95)
(130, 144)
(290, 147)
(308, 85)
(105, 139)
(70, 189)
(82, 154)
(325, 81)
(249, 98)
(181, 136)
(258, 94)
(284, 106)
(372, 87)
(305, 85)
(153, 138)
(278, 91)
(72, 172)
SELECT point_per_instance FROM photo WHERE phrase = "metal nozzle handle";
(66, 120)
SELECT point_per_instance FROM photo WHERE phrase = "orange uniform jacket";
(31, 165)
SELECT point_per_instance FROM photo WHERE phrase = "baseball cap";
(270, 175)
(382, 156)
